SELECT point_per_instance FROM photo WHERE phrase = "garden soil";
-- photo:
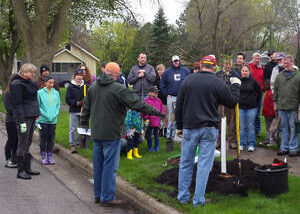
(216, 183)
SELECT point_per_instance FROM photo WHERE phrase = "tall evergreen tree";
(160, 40)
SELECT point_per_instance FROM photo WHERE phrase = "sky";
(146, 9)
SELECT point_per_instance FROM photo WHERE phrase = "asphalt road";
(59, 189)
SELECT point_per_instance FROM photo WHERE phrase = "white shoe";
(217, 153)
(250, 149)
(241, 148)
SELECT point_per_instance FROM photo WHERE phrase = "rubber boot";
(22, 174)
(156, 144)
(28, 165)
(44, 160)
(50, 158)
(136, 153)
(129, 155)
(149, 141)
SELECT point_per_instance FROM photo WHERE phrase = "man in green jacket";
(106, 103)
(286, 100)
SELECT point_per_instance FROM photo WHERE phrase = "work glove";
(234, 80)
(23, 128)
(79, 103)
(146, 123)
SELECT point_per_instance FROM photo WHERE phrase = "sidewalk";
(266, 156)
(58, 189)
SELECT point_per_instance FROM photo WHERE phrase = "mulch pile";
(217, 183)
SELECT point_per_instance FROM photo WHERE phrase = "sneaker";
(241, 148)
(281, 152)
(250, 149)
(293, 153)
(10, 164)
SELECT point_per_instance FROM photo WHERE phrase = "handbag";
(275, 124)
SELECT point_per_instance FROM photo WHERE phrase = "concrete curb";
(124, 189)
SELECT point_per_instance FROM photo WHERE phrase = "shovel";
(240, 187)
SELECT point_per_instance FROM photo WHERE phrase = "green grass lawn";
(142, 173)
(62, 94)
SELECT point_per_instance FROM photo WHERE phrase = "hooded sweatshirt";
(106, 104)
(172, 78)
(49, 103)
(74, 95)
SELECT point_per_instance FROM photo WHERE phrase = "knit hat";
(44, 68)
(209, 60)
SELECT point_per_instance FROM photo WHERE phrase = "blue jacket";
(49, 103)
(172, 78)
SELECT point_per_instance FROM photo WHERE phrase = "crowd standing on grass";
(196, 99)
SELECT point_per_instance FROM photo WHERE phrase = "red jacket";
(268, 107)
(258, 74)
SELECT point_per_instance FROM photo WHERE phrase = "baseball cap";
(78, 72)
(175, 57)
(270, 52)
(280, 55)
(209, 60)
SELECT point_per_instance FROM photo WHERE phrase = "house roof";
(85, 51)
(69, 52)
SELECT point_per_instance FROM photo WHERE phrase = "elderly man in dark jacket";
(197, 114)
(106, 104)
(25, 111)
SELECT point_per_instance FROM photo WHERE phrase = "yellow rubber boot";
(136, 153)
(129, 155)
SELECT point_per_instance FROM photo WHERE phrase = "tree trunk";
(40, 38)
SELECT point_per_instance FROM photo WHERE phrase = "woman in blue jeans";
(250, 95)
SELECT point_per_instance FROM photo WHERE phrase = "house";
(68, 59)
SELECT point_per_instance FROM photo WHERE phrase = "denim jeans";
(106, 156)
(287, 122)
(171, 100)
(206, 139)
(257, 118)
(247, 126)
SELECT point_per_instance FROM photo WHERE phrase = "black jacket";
(268, 69)
(250, 93)
(24, 99)
(8, 106)
(198, 100)
(74, 96)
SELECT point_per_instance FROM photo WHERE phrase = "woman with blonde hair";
(26, 110)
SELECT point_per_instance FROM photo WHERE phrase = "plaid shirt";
(133, 121)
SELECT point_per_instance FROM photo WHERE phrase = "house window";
(64, 67)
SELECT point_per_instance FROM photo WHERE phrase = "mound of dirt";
(217, 183)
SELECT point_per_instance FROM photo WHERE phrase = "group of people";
(194, 102)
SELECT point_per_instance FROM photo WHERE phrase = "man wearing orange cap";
(197, 114)
(106, 104)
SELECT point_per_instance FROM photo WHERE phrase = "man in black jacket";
(270, 65)
(197, 114)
